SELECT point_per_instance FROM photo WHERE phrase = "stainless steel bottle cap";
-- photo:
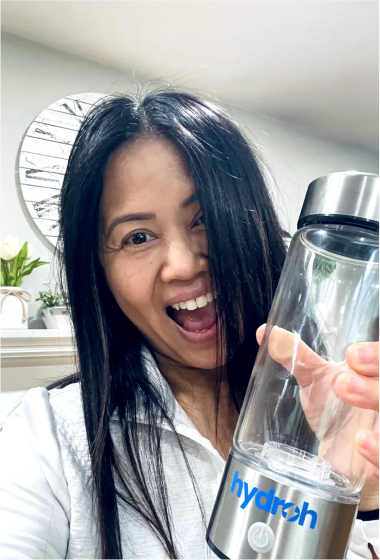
(349, 197)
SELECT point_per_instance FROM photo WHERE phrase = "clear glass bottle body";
(292, 422)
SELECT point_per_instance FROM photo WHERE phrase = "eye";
(199, 221)
(137, 238)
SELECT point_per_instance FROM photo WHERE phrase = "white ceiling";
(311, 63)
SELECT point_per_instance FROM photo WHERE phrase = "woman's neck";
(203, 395)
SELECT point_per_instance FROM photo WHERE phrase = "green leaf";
(322, 269)
(50, 299)
(19, 258)
(12, 272)
(22, 257)
(4, 272)
(28, 269)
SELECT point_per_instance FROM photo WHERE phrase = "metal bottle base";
(319, 529)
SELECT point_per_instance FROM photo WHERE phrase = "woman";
(172, 252)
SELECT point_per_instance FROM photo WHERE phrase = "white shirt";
(46, 509)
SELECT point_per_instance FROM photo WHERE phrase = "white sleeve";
(363, 533)
(34, 499)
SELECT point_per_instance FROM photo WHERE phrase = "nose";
(183, 260)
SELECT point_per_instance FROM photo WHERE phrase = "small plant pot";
(13, 308)
(57, 318)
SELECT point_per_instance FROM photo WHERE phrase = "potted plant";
(55, 313)
(14, 267)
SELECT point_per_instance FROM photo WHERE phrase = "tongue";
(201, 319)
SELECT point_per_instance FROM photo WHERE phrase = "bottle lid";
(350, 198)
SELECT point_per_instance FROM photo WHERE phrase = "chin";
(199, 359)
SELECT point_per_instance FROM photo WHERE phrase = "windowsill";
(33, 343)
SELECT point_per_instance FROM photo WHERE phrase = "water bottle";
(292, 483)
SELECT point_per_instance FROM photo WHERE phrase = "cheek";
(201, 240)
(132, 284)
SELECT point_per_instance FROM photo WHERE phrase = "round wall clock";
(44, 154)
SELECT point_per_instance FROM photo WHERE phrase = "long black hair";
(245, 252)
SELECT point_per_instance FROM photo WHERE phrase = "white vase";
(13, 308)
(57, 318)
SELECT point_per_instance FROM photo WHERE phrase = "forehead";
(146, 170)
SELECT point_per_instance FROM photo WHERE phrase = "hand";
(320, 380)
(360, 388)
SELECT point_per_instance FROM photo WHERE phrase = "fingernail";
(368, 442)
(364, 353)
(355, 384)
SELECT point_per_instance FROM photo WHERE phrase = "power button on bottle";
(260, 537)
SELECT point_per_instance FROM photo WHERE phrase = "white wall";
(295, 158)
(34, 76)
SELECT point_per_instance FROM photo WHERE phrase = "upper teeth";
(192, 304)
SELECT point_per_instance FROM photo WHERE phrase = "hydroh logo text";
(270, 503)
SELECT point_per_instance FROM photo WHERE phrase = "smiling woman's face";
(154, 250)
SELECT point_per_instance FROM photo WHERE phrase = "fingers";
(297, 357)
(367, 444)
(358, 390)
(363, 358)
(260, 333)
(289, 350)
(283, 346)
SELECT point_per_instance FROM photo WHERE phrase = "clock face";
(44, 154)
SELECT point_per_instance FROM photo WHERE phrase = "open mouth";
(200, 320)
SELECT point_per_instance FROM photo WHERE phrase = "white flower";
(9, 247)
(30, 251)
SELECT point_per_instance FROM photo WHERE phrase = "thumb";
(260, 333)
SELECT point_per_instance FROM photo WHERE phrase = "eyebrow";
(144, 216)
(130, 218)
(189, 200)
